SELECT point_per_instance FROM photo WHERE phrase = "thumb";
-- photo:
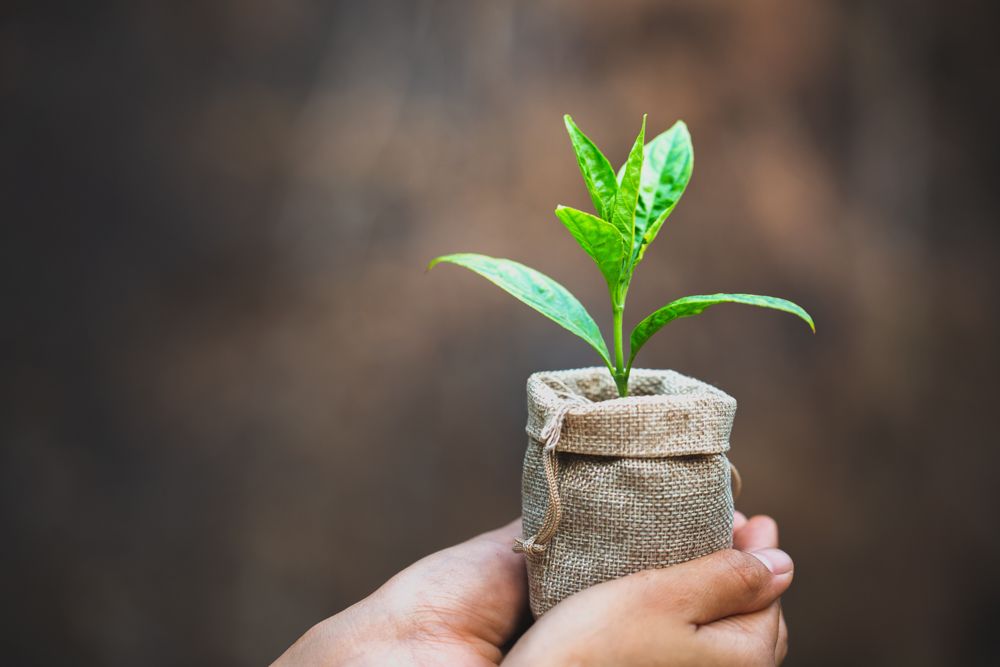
(728, 582)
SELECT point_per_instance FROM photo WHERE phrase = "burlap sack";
(616, 485)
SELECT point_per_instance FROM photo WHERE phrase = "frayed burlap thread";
(613, 485)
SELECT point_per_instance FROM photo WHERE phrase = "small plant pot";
(613, 486)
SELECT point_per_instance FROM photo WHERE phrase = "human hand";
(722, 609)
(464, 604)
(459, 606)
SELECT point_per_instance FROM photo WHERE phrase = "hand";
(722, 609)
(462, 605)
(459, 606)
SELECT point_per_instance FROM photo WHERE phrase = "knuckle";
(746, 572)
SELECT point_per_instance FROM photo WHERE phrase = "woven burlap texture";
(643, 481)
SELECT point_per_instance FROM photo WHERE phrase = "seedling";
(631, 208)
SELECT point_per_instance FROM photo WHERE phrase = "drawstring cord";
(535, 545)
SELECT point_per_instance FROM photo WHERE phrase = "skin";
(468, 604)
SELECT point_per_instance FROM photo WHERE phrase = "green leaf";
(694, 305)
(596, 170)
(599, 238)
(666, 171)
(623, 215)
(536, 290)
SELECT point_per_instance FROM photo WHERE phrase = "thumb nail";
(775, 560)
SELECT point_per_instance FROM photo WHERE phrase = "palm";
(463, 604)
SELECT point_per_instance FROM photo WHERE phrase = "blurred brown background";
(234, 402)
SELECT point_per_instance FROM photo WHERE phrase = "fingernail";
(776, 560)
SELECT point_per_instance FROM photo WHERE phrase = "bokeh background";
(233, 402)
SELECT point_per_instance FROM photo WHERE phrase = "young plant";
(631, 208)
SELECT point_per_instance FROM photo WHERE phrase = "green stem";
(619, 353)
(622, 383)
(621, 373)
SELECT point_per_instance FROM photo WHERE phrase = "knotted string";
(735, 481)
(535, 545)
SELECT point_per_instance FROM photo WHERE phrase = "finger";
(504, 534)
(749, 638)
(722, 584)
(739, 520)
(488, 555)
(763, 623)
(760, 532)
(781, 648)
(492, 550)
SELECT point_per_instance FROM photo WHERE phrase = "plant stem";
(619, 353)
(621, 378)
